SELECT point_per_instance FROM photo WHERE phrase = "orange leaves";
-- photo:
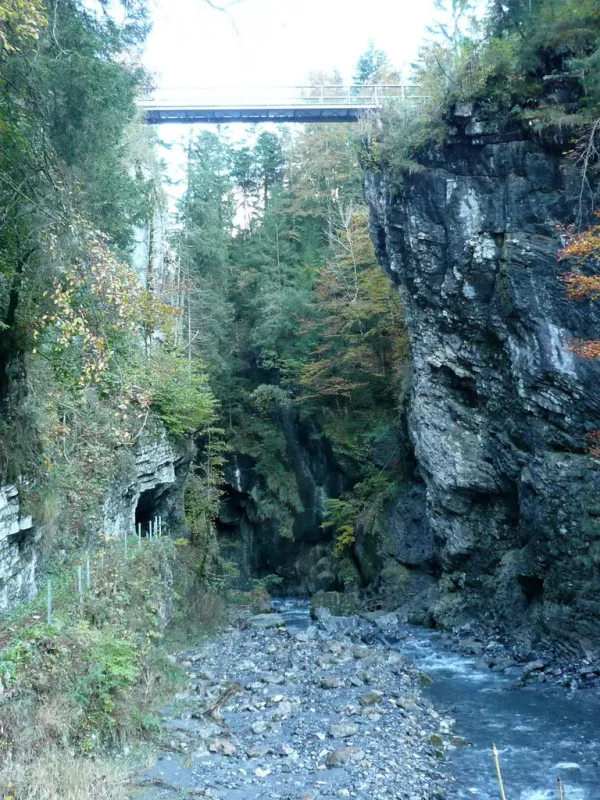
(581, 287)
(582, 246)
(586, 348)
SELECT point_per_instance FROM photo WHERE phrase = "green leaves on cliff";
(180, 393)
(535, 60)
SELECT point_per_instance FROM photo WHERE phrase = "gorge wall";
(151, 485)
(18, 550)
(252, 537)
(500, 407)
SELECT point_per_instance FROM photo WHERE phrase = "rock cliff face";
(151, 486)
(254, 541)
(500, 406)
(18, 551)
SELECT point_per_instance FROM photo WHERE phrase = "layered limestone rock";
(501, 408)
(18, 551)
(151, 486)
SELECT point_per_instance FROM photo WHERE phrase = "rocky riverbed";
(276, 710)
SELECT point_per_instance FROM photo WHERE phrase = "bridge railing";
(359, 95)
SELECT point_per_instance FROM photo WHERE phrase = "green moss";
(340, 604)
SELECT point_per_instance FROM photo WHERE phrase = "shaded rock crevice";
(500, 407)
(254, 542)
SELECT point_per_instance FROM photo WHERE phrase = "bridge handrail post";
(322, 98)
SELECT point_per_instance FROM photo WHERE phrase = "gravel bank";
(279, 712)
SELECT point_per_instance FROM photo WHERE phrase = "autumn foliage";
(583, 249)
(360, 324)
(96, 301)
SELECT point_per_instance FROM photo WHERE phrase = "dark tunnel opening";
(151, 505)
(532, 587)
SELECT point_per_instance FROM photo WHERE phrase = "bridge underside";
(156, 114)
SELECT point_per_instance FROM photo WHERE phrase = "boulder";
(264, 621)
(339, 604)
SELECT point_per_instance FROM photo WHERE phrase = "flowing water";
(542, 732)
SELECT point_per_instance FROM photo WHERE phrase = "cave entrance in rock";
(152, 504)
(532, 588)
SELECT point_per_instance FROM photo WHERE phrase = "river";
(542, 732)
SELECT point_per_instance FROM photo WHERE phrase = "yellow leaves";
(344, 540)
(360, 318)
(581, 287)
(95, 306)
(20, 20)
(582, 246)
(586, 348)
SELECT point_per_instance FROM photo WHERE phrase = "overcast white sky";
(277, 42)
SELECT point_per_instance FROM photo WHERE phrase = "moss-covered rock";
(340, 604)
(394, 581)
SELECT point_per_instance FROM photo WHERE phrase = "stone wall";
(500, 407)
(153, 484)
(18, 552)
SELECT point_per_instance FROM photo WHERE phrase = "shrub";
(83, 681)
(179, 391)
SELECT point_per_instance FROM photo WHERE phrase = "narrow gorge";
(299, 405)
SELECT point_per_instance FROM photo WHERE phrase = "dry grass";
(208, 609)
(54, 720)
(57, 775)
(94, 680)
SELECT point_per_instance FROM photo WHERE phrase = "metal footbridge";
(327, 103)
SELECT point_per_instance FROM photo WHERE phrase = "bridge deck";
(271, 104)
(158, 114)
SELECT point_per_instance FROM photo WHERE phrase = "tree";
(20, 21)
(360, 322)
(583, 250)
(314, 330)
(66, 97)
(206, 213)
(371, 65)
